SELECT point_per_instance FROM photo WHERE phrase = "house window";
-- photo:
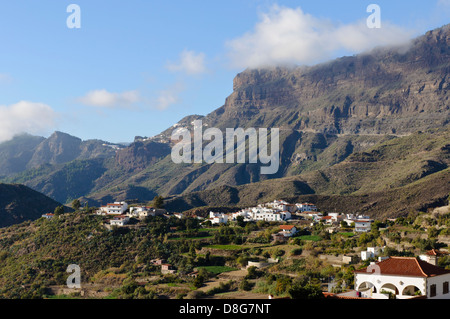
(445, 287)
(433, 291)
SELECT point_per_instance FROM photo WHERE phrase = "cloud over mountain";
(25, 116)
(290, 36)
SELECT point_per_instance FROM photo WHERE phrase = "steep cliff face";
(140, 155)
(396, 90)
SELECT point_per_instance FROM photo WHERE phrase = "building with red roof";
(288, 230)
(404, 277)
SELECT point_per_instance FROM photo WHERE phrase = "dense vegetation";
(34, 256)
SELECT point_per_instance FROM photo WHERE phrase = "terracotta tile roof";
(435, 252)
(407, 266)
(287, 227)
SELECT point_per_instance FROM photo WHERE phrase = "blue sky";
(137, 67)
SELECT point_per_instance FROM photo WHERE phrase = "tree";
(76, 204)
(251, 273)
(307, 291)
(282, 284)
(240, 221)
(192, 224)
(59, 210)
(242, 260)
(198, 282)
(245, 285)
(158, 202)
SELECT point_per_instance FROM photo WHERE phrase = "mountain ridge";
(329, 115)
(19, 203)
(25, 151)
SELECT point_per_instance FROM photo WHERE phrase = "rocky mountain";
(386, 91)
(19, 203)
(17, 153)
(349, 127)
(26, 152)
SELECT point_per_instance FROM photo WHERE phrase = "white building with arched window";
(404, 277)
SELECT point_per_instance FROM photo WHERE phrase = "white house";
(48, 215)
(363, 225)
(262, 213)
(218, 218)
(336, 217)
(306, 207)
(144, 211)
(315, 216)
(116, 208)
(432, 256)
(404, 277)
(371, 252)
(268, 214)
(288, 230)
(121, 220)
(278, 204)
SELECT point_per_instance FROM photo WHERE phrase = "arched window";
(389, 288)
(411, 291)
(366, 285)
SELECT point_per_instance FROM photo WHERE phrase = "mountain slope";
(392, 178)
(19, 203)
(335, 120)
(17, 153)
(25, 152)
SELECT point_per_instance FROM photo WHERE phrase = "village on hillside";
(282, 237)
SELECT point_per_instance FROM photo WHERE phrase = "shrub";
(246, 285)
(296, 252)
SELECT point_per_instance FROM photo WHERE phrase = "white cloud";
(190, 63)
(105, 99)
(290, 36)
(169, 97)
(25, 117)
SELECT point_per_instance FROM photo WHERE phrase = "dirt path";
(224, 277)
